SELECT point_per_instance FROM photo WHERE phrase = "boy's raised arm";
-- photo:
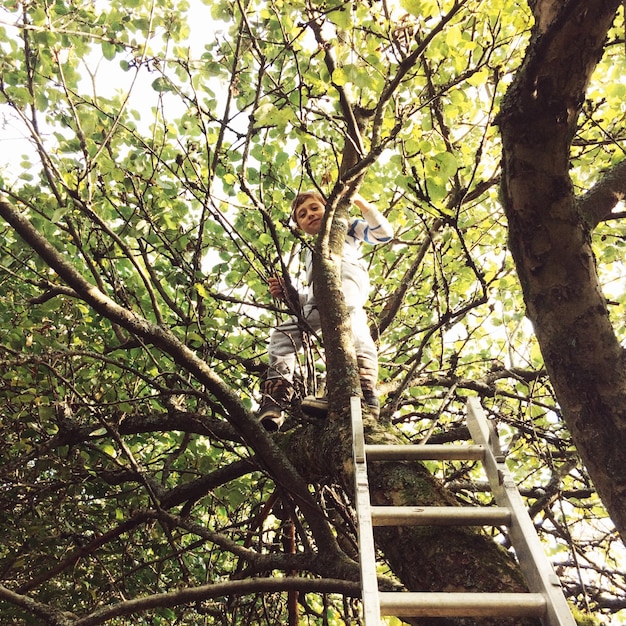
(362, 204)
(379, 226)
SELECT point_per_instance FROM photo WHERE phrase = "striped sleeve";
(375, 230)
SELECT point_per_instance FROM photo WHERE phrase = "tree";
(550, 234)
(140, 231)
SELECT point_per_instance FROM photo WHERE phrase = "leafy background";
(158, 145)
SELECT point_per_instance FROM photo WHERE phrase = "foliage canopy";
(165, 142)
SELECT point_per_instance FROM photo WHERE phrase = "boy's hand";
(277, 287)
(359, 201)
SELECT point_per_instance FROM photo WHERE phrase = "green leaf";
(109, 50)
(108, 449)
(162, 84)
(201, 290)
(446, 164)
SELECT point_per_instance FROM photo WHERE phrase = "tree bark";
(423, 558)
(550, 241)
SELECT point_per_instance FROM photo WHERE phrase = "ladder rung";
(440, 516)
(425, 452)
(438, 604)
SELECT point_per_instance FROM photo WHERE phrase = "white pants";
(286, 340)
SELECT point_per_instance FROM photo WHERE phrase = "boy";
(307, 211)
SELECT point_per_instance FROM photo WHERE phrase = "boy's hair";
(302, 197)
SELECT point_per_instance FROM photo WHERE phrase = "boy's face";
(309, 215)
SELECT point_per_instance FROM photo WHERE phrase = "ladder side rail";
(530, 553)
(367, 552)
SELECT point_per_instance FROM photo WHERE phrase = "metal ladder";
(545, 599)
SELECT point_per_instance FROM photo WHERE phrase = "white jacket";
(374, 229)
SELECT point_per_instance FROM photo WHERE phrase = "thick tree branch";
(550, 243)
(207, 592)
(596, 204)
(252, 431)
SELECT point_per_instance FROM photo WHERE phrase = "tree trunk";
(423, 558)
(550, 239)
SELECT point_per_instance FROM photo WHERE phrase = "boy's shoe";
(373, 404)
(271, 417)
(275, 396)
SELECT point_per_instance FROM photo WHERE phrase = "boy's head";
(307, 211)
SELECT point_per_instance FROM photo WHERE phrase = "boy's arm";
(378, 229)
(363, 205)
(285, 292)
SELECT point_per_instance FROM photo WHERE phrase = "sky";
(108, 77)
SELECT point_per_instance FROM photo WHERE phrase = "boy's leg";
(367, 360)
(276, 396)
(368, 374)
(277, 388)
